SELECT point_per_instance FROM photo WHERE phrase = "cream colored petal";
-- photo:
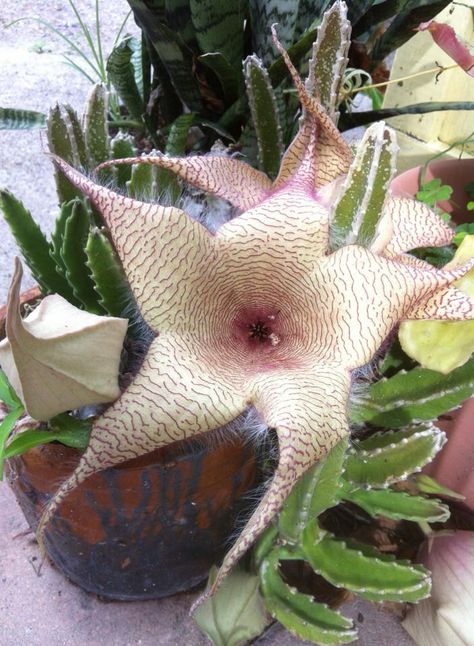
(163, 251)
(47, 356)
(448, 304)
(332, 154)
(308, 410)
(232, 179)
(414, 225)
(173, 397)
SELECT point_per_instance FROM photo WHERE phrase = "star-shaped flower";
(274, 310)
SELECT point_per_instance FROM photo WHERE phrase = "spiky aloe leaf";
(298, 612)
(16, 119)
(227, 75)
(264, 112)
(397, 505)
(62, 142)
(33, 245)
(329, 59)
(57, 236)
(142, 183)
(95, 124)
(219, 27)
(121, 147)
(361, 569)
(315, 492)
(79, 139)
(357, 212)
(121, 72)
(417, 395)
(110, 283)
(391, 456)
(166, 180)
(235, 614)
(74, 258)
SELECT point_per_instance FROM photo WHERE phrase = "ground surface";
(48, 610)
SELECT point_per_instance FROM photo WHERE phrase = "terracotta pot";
(148, 528)
(454, 172)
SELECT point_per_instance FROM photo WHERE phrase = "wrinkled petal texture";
(446, 618)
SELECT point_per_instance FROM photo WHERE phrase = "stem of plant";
(438, 69)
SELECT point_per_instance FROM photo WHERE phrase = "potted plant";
(234, 324)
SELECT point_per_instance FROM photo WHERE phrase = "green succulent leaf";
(315, 492)
(299, 613)
(235, 614)
(429, 485)
(397, 505)
(79, 137)
(62, 142)
(16, 119)
(95, 125)
(121, 72)
(166, 180)
(358, 210)
(6, 427)
(7, 395)
(74, 258)
(142, 183)
(392, 455)
(122, 147)
(265, 543)
(219, 27)
(264, 112)
(417, 395)
(33, 245)
(372, 575)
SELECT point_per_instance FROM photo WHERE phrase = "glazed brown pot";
(146, 529)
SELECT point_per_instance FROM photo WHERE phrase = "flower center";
(256, 328)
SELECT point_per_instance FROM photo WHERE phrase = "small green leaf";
(6, 427)
(298, 612)
(434, 191)
(462, 231)
(122, 147)
(429, 485)
(235, 614)
(315, 492)
(263, 108)
(7, 395)
(397, 505)
(142, 184)
(397, 455)
(361, 569)
(16, 119)
(72, 432)
(95, 125)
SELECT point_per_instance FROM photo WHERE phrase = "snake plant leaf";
(16, 119)
(228, 76)
(178, 18)
(329, 59)
(47, 356)
(388, 463)
(110, 283)
(264, 113)
(95, 124)
(300, 613)
(358, 210)
(443, 345)
(252, 313)
(219, 27)
(414, 396)
(263, 15)
(121, 72)
(62, 142)
(74, 258)
(236, 613)
(33, 245)
(175, 58)
(397, 505)
(315, 492)
(79, 138)
(363, 570)
(122, 146)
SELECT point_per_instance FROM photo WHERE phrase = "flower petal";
(445, 37)
(173, 397)
(446, 618)
(232, 179)
(47, 355)
(414, 225)
(162, 250)
(308, 411)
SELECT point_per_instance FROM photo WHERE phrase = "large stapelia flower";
(267, 312)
